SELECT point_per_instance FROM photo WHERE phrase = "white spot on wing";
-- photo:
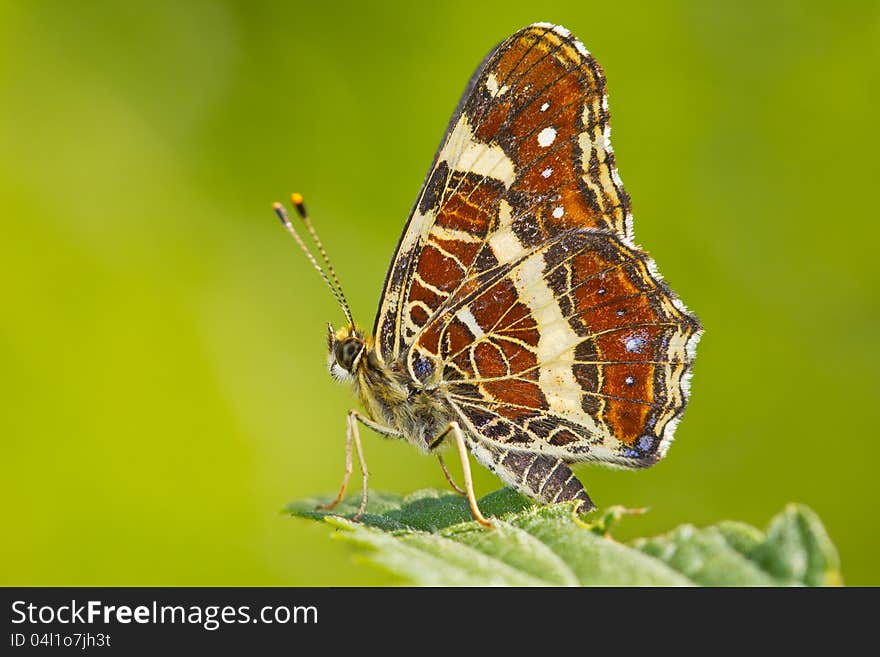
(464, 152)
(467, 318)
(544, 107)
(492, 86)
(635, 343)
(546, 173)
(504, 243)
(546, 137)
(558, 211)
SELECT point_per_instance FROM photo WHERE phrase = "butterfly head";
(345, 351)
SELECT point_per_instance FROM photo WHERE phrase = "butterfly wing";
(516, 281)
(576, 350)
(528, 144)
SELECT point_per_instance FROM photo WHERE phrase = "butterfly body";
(518, 315)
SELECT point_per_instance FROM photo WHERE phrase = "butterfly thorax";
(416, 410)
(420, 413)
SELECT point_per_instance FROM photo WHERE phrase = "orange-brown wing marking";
(550, 114)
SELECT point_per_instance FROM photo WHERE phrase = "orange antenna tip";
(280, 213)
(297, 201)
(335, 287)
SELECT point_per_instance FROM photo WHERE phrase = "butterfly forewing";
(529, 143)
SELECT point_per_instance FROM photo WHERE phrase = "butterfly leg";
(448, 475)
(352, 435)
(538, 476)
(457, 433)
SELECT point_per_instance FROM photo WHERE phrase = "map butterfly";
(519, 321)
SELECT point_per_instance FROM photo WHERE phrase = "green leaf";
(429, 538)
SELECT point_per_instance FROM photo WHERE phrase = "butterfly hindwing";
(577, 350)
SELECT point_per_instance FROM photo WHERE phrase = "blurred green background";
(164, 386)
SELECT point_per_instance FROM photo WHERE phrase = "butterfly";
(519, 322)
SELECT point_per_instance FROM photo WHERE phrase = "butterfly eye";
(347, 351)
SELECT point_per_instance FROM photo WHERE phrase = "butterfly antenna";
(337, 293)
(297, 201)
